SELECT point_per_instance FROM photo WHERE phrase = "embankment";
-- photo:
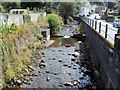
(18, 50)
(106, 56)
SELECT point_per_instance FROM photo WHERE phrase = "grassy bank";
(19, 45)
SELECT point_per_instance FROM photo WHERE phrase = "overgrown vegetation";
(70, 18)
(71, 9)
(42, 21)
(26, 18)
(55, 23)
(19, 46)
(1, 8)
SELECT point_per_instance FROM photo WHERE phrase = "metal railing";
(106, 30)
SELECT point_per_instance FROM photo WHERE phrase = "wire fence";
(105, 29)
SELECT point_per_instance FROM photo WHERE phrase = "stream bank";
(65, 64)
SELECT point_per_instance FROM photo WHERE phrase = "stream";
(61, 65)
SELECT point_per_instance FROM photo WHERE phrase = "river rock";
(39, 71)
(42, 64)
(53, 58)
(74, 68)
(26, 70)
(68, 84)
(47, 71)
(65, 65)
(31, 67)
(77, 62)
(18, 82)
(48, 78)
(72, 59)
(69, 66)
(87, 72)
(81, 77)
(75, 82)
(67, 45)
(34, 74)
(69, 73)
(60, 60)
(75, 54)
(25, 82)
(60, 50)
(53, 50)
(42, 61)
(69, 54)
(60, 85)
(78, 81)
(43, 53)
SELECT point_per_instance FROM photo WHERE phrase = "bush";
(26, 18)
(34, 9)
(70, 19)
(40, 37)
(42, 21)
(28, 9)
(1, 8)
(13, 26)
(55, 23)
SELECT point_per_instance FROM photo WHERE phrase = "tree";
(11, 5)
(54, 23)
(68, 9)
(1, 8)
(47, 6)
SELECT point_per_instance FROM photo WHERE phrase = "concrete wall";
(8, 19)
(12, 18)
(34, 17)
(106, 58)
(46, 33)
(3, 18)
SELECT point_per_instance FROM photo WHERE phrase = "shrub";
(70, 19)
(26, 18)
(40, 37)
(34, 9)
(1, 8)
(54, 23)
(13, 26)
(28, 9)
(42, 21)
(5, 30)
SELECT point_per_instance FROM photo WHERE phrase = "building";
(98, 9)
(18, 11)
(87, 8)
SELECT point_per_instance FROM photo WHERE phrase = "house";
(99, 9)
(87, 8)
(18, 11)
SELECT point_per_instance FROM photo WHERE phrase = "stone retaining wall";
(107, 59)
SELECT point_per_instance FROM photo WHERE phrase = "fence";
(104, 29)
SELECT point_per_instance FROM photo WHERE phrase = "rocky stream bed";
(65, 64)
